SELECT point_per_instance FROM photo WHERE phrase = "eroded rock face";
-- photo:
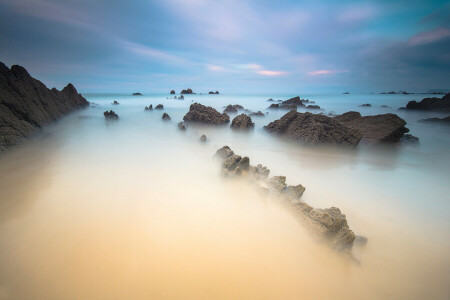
(379, 129)
(26, 105)
(438, 104)
(205, 114)
(314, 129)
(242, 122)
(329, 225)
(111, 115)
(159, 106)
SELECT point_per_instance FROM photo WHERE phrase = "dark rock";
(313, 107)
(137, 94)
(445, 120)
(111, 115)
(172, 92)
(385, 106)
(175, 97)
(181, 97)
(233, 108)
(26, 105)
(203, 138)
(270, 100)
(242, 122)
(409, 139)
(188, 91)
(217, 93)
(181, 126)
(149, 107)
(159, 106)
(166, 117)
(366, 105)
(224, 152)
(115, 102)
(283, 106)
(346, 93)
(314, 129)
(257, 114)
(296, 101)
(205, 114)
(214, 93)
(385, 128)
(438, 104)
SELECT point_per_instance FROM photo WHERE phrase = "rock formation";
(115, 103)
(137, 94)
(181, 126)
(166, 117)
(314, 129)
(205, 114)
(172, 92)
(242, 122)
(313, 107)
(233, 108)
(329, 225)
(378, 129)
(150, 107)
(257, 114)
(203, 138)
(111, 115)
(214, 93)
(438, 104)
(188, 91)
(26, 105)
(445, 120)
(159, 106)
(366, 105)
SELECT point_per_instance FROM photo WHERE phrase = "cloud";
(429, 36)
(326, 72)
(357, 14)
(271, 73)
(153, 53)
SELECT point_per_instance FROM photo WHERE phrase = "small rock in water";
(409, 139)
(203, 138)
(166, 117)
(111, 115)
(172, 92)
(115, 102)
(159, 106)
(181, 126)
(242, 122)
(366, 105)
(257, 114)
(149, 107)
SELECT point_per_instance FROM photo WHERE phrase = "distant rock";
(437, 104)
(149, 107)
(283, 106)
(233, 108)
(445, 120)
(296, 100)
(313, 107)
(409, 139)
(203, 138)
(242, 122)
(26, 105)
(257, 114)
(205, 114)
(181, 97)
(111, 115)
(115, 102)
(366, 105)
(385, 106)
(214, 93)
(159, 106)
(314, 129)
(188, 91)
(378, 129)
(172, 92)
(181, 126)
(137, 94)
(175, 97)
(270, 100)
(345, 93)
(166, 117)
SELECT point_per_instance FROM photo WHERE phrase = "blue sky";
(230, 46)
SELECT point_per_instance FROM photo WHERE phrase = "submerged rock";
(233, 108)
(409, 139)
(203, 138)
(242, 122)
(188, 91)
(313, 107)
(159, 106)
(115, 102)
(150, 107)
(366, 105)
(214, 93)
(172, 92)
(205, 114)
(445, 120)
(180, 97)
(257, 114)
(378, 129)
(181, 126)
(166, 117)
(438, 104)
(137, 94)
(111, 115)
(314, 129)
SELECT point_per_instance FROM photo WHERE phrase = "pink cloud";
(429, 36)
(271, 73)
(325, 72)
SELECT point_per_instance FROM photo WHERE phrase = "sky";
(234, 46)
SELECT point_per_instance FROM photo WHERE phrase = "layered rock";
(378, 129)
(438, 104)
(314, 129)
(242, 122)
(199, 113)
(26, 105)
(329, 225)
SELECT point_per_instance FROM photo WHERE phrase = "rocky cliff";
(26, 104)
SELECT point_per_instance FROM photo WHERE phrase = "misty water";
(136, 209)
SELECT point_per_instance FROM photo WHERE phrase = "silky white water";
(136, 209)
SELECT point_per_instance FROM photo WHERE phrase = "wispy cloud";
(429, 36)
(326, 72)
(153, 53)
(271, 73)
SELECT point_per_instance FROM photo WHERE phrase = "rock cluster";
(330, 225)
(242, 122)
(115, 103)
(188, 91)
(438, 104)
(214, 93)
(111, 115)
(205, 114)
(159, 106)
(150, 107)
(26, 105)
(314, 129)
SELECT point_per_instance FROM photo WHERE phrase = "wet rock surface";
(242, 122)
(329, 225)
(314, 129)
(199, 113)
(378, 129)
(26, 105)
(111, 115)
(435, 103)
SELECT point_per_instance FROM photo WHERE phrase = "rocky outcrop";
(26, 105)
(111, 115)
(199, 113)
(437, 104)
(296, 101)
(150, 107)
(257, 114)
(214, 93)
(409, 139)
(313, 107)
(188, 91)
(203, 138)
(378, 129)
(166, 117)
(172, 92)
(329, 225)
(366, 105)
(181, 126)
(137, 94)
(180, 97)
(115, 103)
(242, 122)
(445, 120)
(233, 108)
(159, 106)
(283, 106)
(314, 129)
